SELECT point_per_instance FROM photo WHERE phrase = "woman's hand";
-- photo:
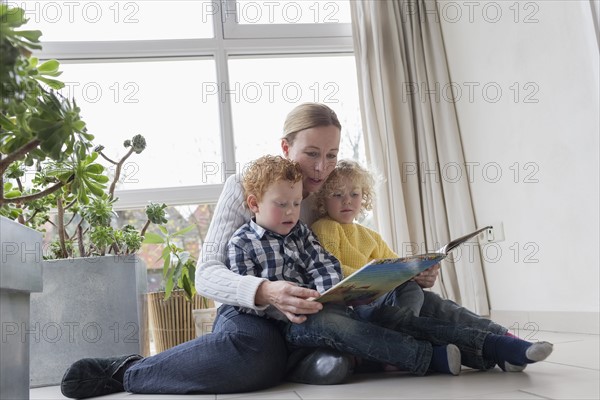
(426, 279)
(288, 298)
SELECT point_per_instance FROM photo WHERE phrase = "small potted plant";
(177, 313)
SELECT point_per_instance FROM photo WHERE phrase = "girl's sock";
(446, 359)
(513, 350)
(508, 367)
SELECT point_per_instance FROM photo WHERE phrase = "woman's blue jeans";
(244, 353)
(392, 336)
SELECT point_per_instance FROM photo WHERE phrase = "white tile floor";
(571, 372)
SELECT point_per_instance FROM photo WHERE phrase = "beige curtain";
(413, 139)
(595, 6)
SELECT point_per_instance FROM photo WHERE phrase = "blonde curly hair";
(266, 170)
(355, 173)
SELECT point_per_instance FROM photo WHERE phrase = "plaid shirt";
(297, 257)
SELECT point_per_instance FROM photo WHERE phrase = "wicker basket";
(171, 321)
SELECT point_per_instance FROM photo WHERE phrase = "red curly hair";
(267, 170)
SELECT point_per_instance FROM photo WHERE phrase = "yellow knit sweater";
(353, 244)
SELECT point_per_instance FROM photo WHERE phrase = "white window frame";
(310, 40)
(232, 29)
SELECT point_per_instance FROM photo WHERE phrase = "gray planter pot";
(20, 275)
(90, 307)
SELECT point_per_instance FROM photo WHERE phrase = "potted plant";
(92, 305)
(89, 259)
(92, 260)
(93, 301)
(177, 313)
(35, 125)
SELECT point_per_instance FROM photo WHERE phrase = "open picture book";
(383, 275)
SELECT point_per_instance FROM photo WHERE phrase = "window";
(291, 12)
(207, 83)
(112, 20)
(285, 18)
(266, 88)
(159, 99)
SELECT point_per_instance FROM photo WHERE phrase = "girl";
(346, 195)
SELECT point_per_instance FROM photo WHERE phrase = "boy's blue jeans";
(392, 336)
(408, 295)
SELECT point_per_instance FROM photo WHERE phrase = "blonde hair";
(359, 176)
(265, 171)
(306, 116)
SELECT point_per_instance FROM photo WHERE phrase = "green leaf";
(80, 126)
(188, 288)
(53, 83)
(95, 189)
(184, 231)
(94, 168)
(153, 238)
(98, 178)
(166, 264)
(49, 67)
(13, 16)
(83, 197)
(169, 283)
(32, 36)
(11, 194)
(7, 123)
(166, 253)
(87, 136)
(163, 229)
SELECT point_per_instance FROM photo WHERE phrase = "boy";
(275, 242)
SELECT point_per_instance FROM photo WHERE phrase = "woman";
(246, 352)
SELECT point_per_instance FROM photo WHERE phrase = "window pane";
(119, 20)
(179, 217)
(292, 12)
(264, 90)
(159, 100)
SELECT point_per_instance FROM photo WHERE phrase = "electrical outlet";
(493, 234)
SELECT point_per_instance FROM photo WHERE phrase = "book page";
(377, 278)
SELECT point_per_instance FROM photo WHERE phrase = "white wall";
(550, 210)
